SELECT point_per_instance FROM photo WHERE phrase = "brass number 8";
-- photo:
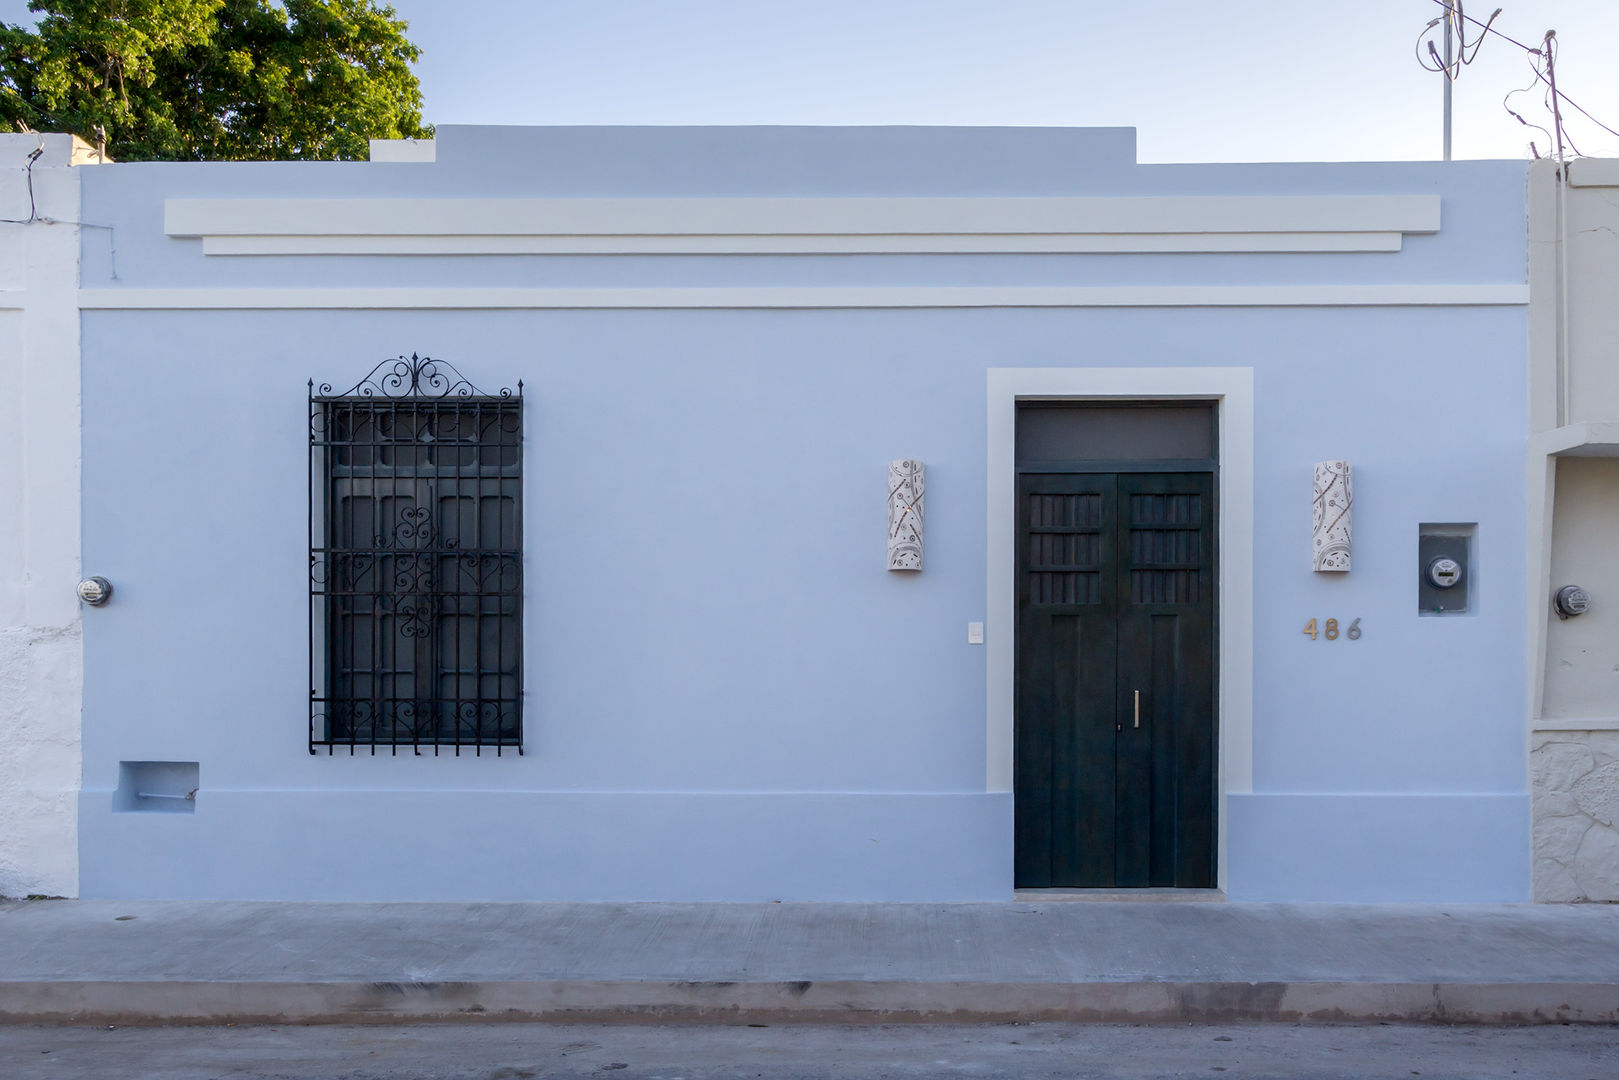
(1332, 630)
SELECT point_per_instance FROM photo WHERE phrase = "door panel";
(1115, 680)
(1068, 607)
(1166, 648)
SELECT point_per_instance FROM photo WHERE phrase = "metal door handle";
(1138, 708)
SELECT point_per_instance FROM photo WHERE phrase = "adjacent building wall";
(1574, 519)
(40, 647)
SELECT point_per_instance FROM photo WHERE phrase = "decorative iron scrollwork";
(413, 377)
(415, 563)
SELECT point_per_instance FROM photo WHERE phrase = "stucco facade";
(40, 647)
(1574, 489)
(724, 336)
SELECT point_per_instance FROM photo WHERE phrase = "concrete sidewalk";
(212, 962)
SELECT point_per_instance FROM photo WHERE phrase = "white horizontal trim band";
(783, 244)
(889, 218)
(1577, 723)
(810, 296)
(1583, 438)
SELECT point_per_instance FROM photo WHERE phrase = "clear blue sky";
(1242, 80)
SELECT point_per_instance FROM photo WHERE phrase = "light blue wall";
(727, 695)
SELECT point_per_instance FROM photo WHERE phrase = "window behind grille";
(416, 574)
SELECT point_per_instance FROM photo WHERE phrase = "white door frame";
(1233, 390)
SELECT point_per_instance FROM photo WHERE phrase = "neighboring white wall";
(1582, 653)
(1574, 335)
(41, 659)
(1591, 233)
(1574, 760)
(1573, 519)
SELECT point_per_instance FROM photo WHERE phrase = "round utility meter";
(1444, 572)
(1571, 600)
(95, 591)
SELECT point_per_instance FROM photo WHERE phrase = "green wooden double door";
(1115, 697)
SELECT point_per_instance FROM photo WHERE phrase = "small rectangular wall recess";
(1437, 542)
(159, 787)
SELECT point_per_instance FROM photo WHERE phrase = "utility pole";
(1449, 18)
(1548, 47)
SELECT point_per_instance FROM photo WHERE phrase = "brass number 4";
(1309, 628)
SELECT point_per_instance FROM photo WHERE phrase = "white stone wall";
(1592, 211)
(1574, 756)
(1573, 517)
(1576, 815)
(41, 659)
(1581, 677)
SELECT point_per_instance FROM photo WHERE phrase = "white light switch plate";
(975, 633)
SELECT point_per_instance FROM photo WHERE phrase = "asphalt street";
(498, 1051)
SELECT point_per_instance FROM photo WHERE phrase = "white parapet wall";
(41, 657)
(402, 150)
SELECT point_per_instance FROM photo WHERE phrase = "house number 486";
(1329, 630)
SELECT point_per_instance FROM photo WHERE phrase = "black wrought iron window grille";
(415, 562)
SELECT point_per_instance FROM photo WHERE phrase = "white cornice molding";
(806, 296)
(1593, 172)
(886, 244)
(1583, 438)
(1203, 223)
(1577, 723)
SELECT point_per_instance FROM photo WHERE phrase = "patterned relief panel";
(1065, 548)
(1332, 515)
(1165, 548)
(906, 489)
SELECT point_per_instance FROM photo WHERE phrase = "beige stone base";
(1576, 815)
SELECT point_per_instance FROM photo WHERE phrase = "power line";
(32, 209)
(1518, 117)
(1453, 61)
(1546, 53)
(1484, 26)
(1452, 18)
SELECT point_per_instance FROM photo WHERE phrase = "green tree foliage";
(214, 80)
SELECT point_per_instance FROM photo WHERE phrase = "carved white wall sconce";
(905, 514)
(1334, 502)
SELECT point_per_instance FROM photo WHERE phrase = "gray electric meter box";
(1445, 569)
